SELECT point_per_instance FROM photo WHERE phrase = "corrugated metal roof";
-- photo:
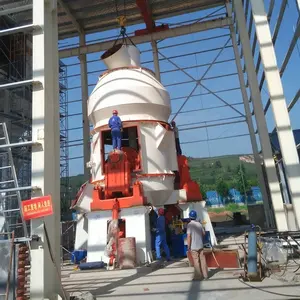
(100, 15)
(275, 141)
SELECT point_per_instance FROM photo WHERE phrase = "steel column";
(273, 183)
(279, 107)
(257, 158)
(155, 60)
(45, 282)
(85, 120)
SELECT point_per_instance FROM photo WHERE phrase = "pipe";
(115, 210)
(252, 252)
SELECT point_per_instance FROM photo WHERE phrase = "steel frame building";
(247, 33)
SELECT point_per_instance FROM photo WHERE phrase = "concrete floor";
(174, 282)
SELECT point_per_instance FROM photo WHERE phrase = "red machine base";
(137, 199)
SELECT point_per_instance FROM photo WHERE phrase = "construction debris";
(82, 296)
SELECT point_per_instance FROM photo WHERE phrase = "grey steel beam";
(207, 108)
(274, 39)
(173, 32)
(273, 182)
(294, 101)
(13, 85)
(68, 12)
(44, 265)
(21, 144)
(161, 59)
(209, 121)
(14, 10)
(18, 189)
(212, 125)
(279, 107)
(254, 145)
(155, 60)
(216, 139)
(198, 82)
(161, 72)
(287, 59)
(85, 120)
(24, 28)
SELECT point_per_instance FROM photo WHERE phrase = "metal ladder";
(10, 196)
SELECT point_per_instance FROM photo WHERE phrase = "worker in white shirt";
(176, 134)
(195, 237)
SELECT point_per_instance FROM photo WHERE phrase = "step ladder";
(11, 217)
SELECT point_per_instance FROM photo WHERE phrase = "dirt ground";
(223, 216)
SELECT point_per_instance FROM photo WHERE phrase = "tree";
(253, 182)
(204, 188)
(222, 187)
(218, 165)
(229, 169)
(240, 181)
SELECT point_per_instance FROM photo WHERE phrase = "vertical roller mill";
(147, 169)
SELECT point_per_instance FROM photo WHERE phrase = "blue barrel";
(178, 247)
(78, 255)
(252, 253)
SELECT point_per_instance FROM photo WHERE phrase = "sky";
(197, 112)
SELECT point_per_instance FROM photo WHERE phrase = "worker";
(160, 237)
(176, 134)
(153, 218)
(195, 236)
(115, 124)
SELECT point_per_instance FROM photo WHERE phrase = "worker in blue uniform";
(160, 237)
(115, 124)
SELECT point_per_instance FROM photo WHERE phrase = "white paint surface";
(136, 224)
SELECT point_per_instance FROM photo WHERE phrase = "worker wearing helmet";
(177, 141)
(160, 237)
(195, 236)
(115, 124)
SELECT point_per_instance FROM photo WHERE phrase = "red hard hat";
(161, 211)
(115, 111)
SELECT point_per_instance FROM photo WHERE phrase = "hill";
(207, 172)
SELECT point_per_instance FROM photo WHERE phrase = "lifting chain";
(122, 22)
(121, 19)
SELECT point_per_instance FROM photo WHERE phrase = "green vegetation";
(223, 173)
(232, 207)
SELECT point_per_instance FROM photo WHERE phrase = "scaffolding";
(15, 112)
(16, 109)
(64, 150)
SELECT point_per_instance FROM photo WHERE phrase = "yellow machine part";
(122, 21)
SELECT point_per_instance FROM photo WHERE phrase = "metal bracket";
(33, 238)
